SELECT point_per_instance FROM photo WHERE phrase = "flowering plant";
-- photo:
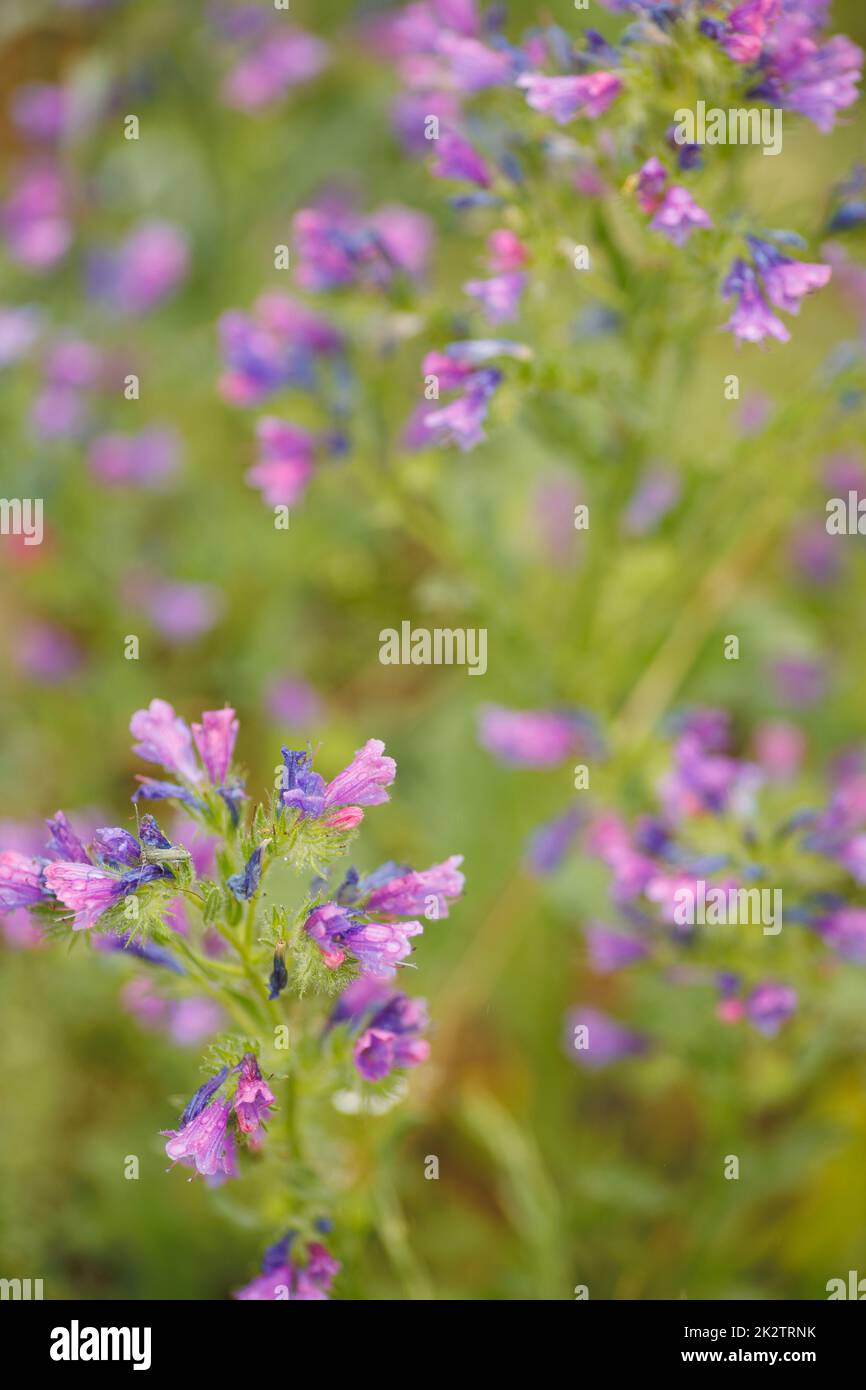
(271, 1081)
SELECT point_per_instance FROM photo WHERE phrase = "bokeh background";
(550, 1176)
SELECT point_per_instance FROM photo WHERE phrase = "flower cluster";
(198, 917)
(702, 844)
(448, 57)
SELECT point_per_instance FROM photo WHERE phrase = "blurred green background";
(549, 1176)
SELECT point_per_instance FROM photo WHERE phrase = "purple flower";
(472, 66)
(650, 183)
(363, 782)
(40, 110)
(302, 789)
(377, 947)
(657, 492)
(47, 653)
(285, 1279)
(752, 319)
(179, 611)
(146, 459)
(115, 846)
(191, 1021)
(204, 1143)
(253, 1097)
(360, 1000)
(505, 251)
(143, 272)
(461, 422)
(410, 114)
(769, 1006)
(633, 870)
(549, 844)
(611, 950)
(845, 931)
(499, 296)
(215, 740)
(378, 1051)
(89, 891)
(150, 789)
(779, 748)
(21, 881)
(279, 976)
(203, 1095)
(703, 781)
(283, 60)
(457, 159)
(678, 215)
(529, 738)
(788, 282)
(392, 1025)
(595, 1039)
(64, 843)
(35, 219)
(745, 29)
(165, 738)
(337, 248)
(410, 892)
(818, 81)
(563, 98)
(245, 884)
(272, 348)
(285, 463)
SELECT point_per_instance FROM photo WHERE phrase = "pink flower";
(282, 61)
(746, 29)
(788, 282)
(363, 782)
(472, 65)
(88, 891)
(409, 892)
(215, 740)
(253, 1098)
(528, 738)
(285, 463)
(286, 1279)
(456, 159)
(204, 1142)
(678, 215)
(563, 98)
(346, 819)
(378, 1051)
(143, 271)
(164, 738)
(500, 296)
(505, 251)
(779, 748)
(378, 947)
(651, 180)
(20, 880)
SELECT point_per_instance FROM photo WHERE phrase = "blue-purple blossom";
(245, 884)
(377, 947)
(594, 1039)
